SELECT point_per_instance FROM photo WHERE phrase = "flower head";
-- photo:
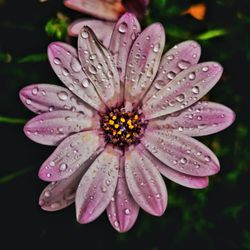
(128, 114)
(108, 10)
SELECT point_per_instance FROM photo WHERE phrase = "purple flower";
(109, 10)
(128, 115)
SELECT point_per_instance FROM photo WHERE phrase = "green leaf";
(10, 120)
(211, 34)
(12, 176)
(33, 58)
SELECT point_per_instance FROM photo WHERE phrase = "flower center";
(123, 128)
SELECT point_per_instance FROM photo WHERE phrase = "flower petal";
(180, 57)
(181, 152)
(71, 154)
(51, 128)
(102, 29)
(184, 90)
(122, 210)
(41, 98)
(143, 62)
(97, 186)
(145, 182)
(137, 7)
(202, 118)
(108, 10)
(99, 67)
(64, 61)
(176, 176)
(125, 32)
(60, 194)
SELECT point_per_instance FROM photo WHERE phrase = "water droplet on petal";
(104, 189)
(171, 75)
(183, 64)
(75, 65)
(52, 164)
(92, 69)
(127, 211)
(191, 76)
(170, 57)
(63, 96)
(205, 68)
(158, 196)
(116, 223)
(92, 57)
(57, 61)
(180, 98)
(51, 108)
(65, 72)
(183, 160)
(35, 91)
(28, 101)
(159, 84)
(196, 90)
(156, 48)
(47, 194)
(207, 158)
(63, 167)
(123, 28)
(85, 34)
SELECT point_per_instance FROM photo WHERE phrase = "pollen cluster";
(122, 128)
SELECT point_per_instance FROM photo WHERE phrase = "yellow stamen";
(136, 117)
(114, 132)
(111, 122)
(129, 122)
(119, 132)
(122, 119)
(127, 135)
(116, 125)
(114, 117)
(130, 126)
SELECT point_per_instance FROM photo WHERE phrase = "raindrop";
(205, 68)
(196, 90)
(123, 28)
(159, 84)
(183, 64)
(85, 34)
(183, 160)
(63, 167)
(75, 65)
(65, 72)
(180, 98)
(28, 101)
(47, 194)
(92, 57)
(92, 69)
(35, 91)
(85, 83)
(171, 75)
(207, 158)
(133, 36)
(156, 48)
(127, 211)
(170, 57)
(116, 223)
(57, 61)
(91, 197)
(199, 118)
(191, 76)
(63, 96)
(52, 164)
(48, 175)
(158, 196)
(55, 205)
(104, 189)
(51, 108)
(180, 129)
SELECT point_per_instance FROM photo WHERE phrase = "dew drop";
(63, 167)
(158, 196)
(171, 75)
(75, 65)
(55, 205)
(48, 175)
(63, 96)
(180, 98)
(52, 164)
(65, 72)
(85, 83)
(159, 84)
(207, 158)
(156, 48)
(205, 68)
(28, 101)
(196, 90)
(51, 108)
(57, 61)
(85, 34)
(35, 91)
(104, 189)
(183, 64)
(47, 194)
(116, 223)
(170, 57)
(127, 211)
(183, 160)
(92, 57)
(191, 76)
(123, 28)
(92, 69)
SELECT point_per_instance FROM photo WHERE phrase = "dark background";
(214, 218)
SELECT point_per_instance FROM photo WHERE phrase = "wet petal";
(102, 29)
(145, 182)
(97, 186)
(125, 32)
(143, 62)
(52, 127)
(64, 61)
(72, 153)
(202, 118)
(184, 90)
(60, 194)
(108, 10)
(176, 176)
(99, 67)
(180, 57)
(181, 152)
(122, 210)
(41, 98)
(137, 7)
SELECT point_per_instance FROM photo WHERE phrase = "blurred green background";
(214, 218)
